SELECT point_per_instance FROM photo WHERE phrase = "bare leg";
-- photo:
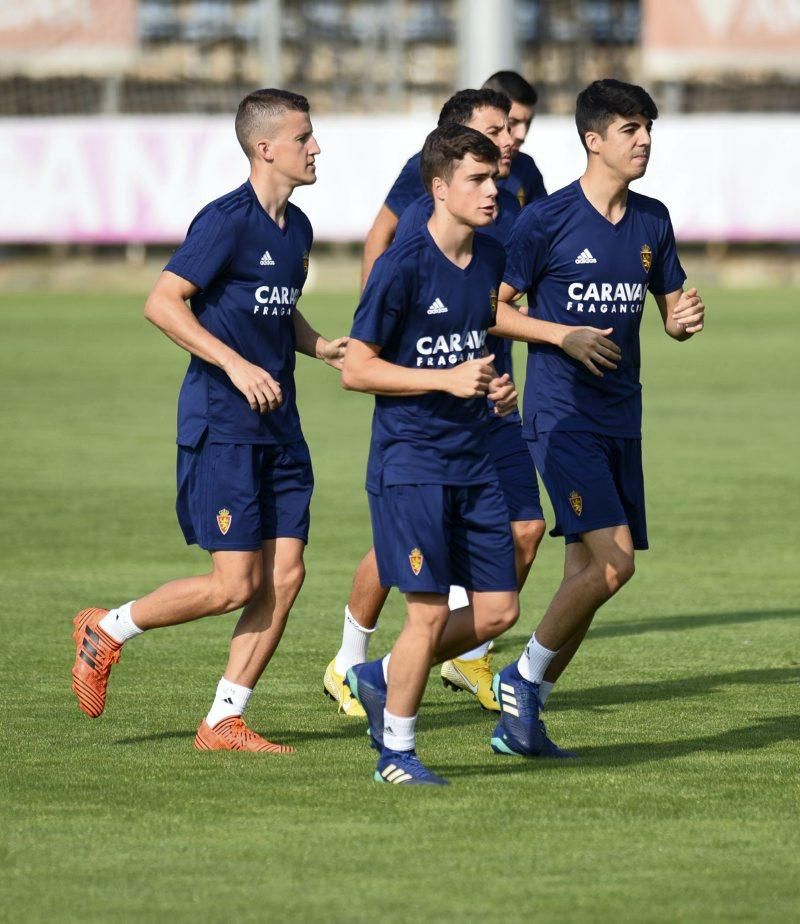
(412, 654)
(367, 596)
(263, 620)
(576, 558)
(235, 577)
(433, 634)
(527, 536)
(489, 615)
(610, 565)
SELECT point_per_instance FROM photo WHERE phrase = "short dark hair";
(604, 100)
(261, 106)
(447, 146)
(460, 108)
(515, 87)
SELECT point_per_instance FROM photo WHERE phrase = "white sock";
(474, 653)
(545, 689)
(457, 598)
(231, 699)
(385, 664)
(119, 624)
(355, 642)
(398, 731)
(535, 660)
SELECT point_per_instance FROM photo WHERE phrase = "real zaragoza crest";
(576, 502)
(415, 559)
(493, 302)
(647, 257)
(224, 520)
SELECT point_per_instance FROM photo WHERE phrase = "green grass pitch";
(683, 703)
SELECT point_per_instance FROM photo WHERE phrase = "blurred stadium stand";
(200, 56)
(376, 72)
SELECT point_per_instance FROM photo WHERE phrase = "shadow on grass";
(754, 737)
(686, 621)
(665, 690)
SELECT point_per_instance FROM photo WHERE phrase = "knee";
(501, 618)
(289, 580)
(234, 594)
(527, 537)
(618, 572)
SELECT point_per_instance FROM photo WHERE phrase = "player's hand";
(263, 393)
(503, 394)
(332, 351)
(471, 379)
(689, 313)
(592, 347)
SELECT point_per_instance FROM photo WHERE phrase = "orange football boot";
(95, 653)
(232, 734)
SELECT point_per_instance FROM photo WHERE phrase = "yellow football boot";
(474, 676)
(333, 685)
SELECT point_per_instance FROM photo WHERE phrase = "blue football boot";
(406, 768)
(369, 688)
(520, 731)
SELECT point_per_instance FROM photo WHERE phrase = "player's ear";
(439, 188)
(262, 150)
(592, 140)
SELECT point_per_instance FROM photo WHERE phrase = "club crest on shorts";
(415, 559)
(647, 257)
(305, 262)
(576, 502)
(493, 302)
(224, 520)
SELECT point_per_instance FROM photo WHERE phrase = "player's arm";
(380, 236)
(364, 370)
(166, 308)
(589, 345)
(313, 344)
(683, 313)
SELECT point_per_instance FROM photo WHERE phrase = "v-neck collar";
(465, 271)
(602, 218)
(283, 231)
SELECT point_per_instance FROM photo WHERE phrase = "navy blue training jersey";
(580, 269)
(250, 273)
(407, 187)
(427, 313)
(525, 183)
(417, 215)
(525, 180)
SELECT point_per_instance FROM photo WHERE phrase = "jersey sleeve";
(536, 189)
(407, 187)
(382, 305)
(209, 246)
(668, 275)
(413, 218)
(526, 252)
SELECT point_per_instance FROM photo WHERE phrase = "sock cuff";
(351, 620)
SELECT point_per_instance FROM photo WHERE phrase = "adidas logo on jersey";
(438, 307)
(585, 256)
(267, 260)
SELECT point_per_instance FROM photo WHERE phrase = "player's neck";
(606, 193)
(272, 192)
(452, 237)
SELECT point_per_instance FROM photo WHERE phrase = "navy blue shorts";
(232, 497)
(516, 472)
(594, 481)
(428, 537)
